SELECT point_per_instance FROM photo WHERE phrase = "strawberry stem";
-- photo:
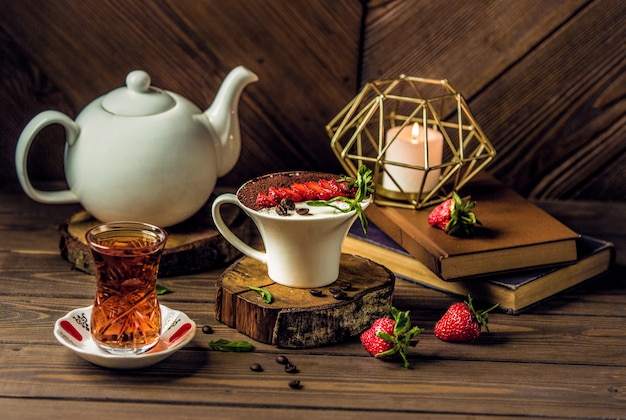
(462, 217)
(482, 315)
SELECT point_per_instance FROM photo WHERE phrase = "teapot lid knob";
(138, 98)
(138, 81)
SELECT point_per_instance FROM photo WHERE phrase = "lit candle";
(408, 148)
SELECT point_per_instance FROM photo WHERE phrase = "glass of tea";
(126, 316)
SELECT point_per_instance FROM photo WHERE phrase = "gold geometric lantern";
(418, 137)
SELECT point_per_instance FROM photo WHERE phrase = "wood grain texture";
(545, 81)
(62, 55)
(295, 318)
(433, 386)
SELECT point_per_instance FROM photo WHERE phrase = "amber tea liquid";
(126, 317)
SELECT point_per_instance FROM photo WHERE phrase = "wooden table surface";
(564, 358)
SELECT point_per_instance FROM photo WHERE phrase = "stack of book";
(518, 257)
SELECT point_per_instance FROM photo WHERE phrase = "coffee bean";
(287, 204)
(207, 329)
(281, 211)
(282, 360)
(291, 368)
(295, 384)
(256, 367)
(302, 211)
(334, 290)
(340, 295)
(316, 292)
(344, 285)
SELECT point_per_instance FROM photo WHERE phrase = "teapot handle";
(31, 130)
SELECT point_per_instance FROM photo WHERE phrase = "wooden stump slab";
(193, 245)
(295, 318)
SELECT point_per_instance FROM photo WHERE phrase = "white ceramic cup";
(301, 251)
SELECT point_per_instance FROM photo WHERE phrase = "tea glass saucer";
(72, 330)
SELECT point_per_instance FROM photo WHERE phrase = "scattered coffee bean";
(282, 360)
(344, 285)
(288, 204)
(316, 292)
(291, 368)
(207, 329)
(256, 367)
(334, 290)
(302, 211)
(340, 295)
(295, 384)
(281, 211)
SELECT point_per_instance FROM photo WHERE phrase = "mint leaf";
(230, 346)
(265, 295)
(363, 184)
(162, 290)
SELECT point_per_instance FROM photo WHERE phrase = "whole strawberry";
(454, 216)
(462, 322)
(390, 338)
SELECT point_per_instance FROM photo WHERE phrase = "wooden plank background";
(544, 78)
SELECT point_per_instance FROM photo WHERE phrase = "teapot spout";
(224, 120)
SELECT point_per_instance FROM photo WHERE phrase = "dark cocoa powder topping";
(248, 192)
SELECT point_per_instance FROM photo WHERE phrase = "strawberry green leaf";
(386, 336)
(389, 352)
(462, 218)
(403, 335)
(482, 315)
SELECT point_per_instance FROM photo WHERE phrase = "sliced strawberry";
(348, 191)
(321, 193)
(301, 189)
(275, 194)
(323, 189)
(264, 200)
(291, 194)
(333, 187)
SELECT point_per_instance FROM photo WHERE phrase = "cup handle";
(227, 233)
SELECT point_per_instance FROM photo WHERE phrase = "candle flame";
(415, 132)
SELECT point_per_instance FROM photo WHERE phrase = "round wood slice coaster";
(193, 245)
(296, 318)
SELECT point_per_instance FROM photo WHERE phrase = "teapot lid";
(138, 98)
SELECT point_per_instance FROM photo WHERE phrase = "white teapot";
(141, 153)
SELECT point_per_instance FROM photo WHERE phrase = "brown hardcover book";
(515, 234)
(515, 291)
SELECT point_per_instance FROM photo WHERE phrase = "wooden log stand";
(296, 318)
(193, 245)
